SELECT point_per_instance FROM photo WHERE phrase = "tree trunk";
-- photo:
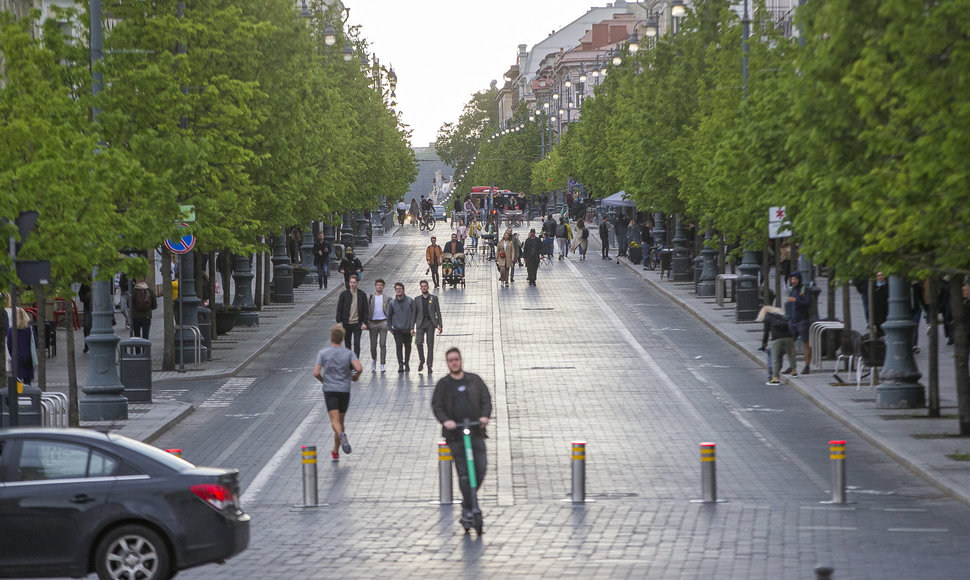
(830, 296)
(933, 403)
(40, 292)
(73, 419)
(267, 273)
(959, 334)
(168, 313)
(847, 306)
(258, 292)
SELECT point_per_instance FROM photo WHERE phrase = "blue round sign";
(181, 245)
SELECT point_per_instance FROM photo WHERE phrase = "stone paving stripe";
(281, 398)
(506, 493)
(828, 528)
(918, 510)
(919, 530)
(282, 454)
(620, 328)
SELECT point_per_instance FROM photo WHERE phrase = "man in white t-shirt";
(337, 366)
(377, 306)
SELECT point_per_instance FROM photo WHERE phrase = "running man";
(461, 396)
(337, 367)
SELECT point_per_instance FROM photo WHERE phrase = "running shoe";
(344, 443)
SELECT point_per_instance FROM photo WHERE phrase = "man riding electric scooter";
(462, 397)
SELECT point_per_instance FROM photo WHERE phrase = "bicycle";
(653, 257)
(427, 221)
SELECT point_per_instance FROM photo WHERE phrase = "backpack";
(585, 233)
(561, 231)
(143, 300)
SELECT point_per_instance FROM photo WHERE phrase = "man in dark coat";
(605, 239)
(321, 259)
(532, 251)
(352, 314)
(350, 266)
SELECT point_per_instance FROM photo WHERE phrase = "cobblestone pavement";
(593, 353)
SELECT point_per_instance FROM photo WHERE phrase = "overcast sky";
(445, 50)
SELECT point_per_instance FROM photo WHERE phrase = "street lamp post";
(900, 387)
(243, 275)
(680, 262)
(706, 283)
(104, 399)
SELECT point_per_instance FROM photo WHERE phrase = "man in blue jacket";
(798, 311)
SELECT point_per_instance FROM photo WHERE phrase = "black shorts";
(799, 330)
(337, 401)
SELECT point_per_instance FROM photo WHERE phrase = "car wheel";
(133, 552)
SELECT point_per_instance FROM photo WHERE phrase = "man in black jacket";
(352, 313)
(350, 266)
(461, 396)
(532, 250)
(321, 259)
(428, 317)
(605, 239)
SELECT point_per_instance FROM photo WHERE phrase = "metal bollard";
(824, 572)
(708, 473)
(444, 474)
(837, 455)
(175, 452)
(309, 476)
(579, 471)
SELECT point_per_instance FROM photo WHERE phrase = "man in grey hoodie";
(401, 316)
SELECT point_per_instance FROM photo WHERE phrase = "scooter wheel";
(478, 524)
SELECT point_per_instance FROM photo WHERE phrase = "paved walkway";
(231, 352)
(919, 443)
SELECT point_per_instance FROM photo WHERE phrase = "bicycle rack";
(54, 410)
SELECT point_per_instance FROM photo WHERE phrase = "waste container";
(28, 410)
(205, 329)
(136, 369)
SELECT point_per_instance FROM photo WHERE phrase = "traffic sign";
(778, 224)
(181, 245)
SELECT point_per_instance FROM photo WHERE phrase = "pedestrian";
(549, 226)
(433, 256)
(532, 252)
(378, 306)
(456, 211)
(776, 328)
(321, 259)
(414, 212)
(350, 266)
(455, 246)
(798, 311)
(462, 396)
(124, 303)
(462, 231)
(880, 303)
(87, 318)
(620, 227)
(517, 255)
(605, 239)
(402, 209)
(401, 317)
(143, 301)
(26, 337)
(646, 234)
(336, 368)
(504, 254)
(352, 314)
(581, 240)
(562, 238)
(428, 317)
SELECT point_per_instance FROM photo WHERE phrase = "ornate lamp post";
(282, 271)
(746, 306)
(680, 262)
(706, 283)
(243, 275)
(900, 388)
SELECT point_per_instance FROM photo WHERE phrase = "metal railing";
(53, 409)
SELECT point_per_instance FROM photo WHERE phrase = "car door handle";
(81, 498)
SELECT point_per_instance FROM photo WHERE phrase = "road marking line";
(918, 510)
(919, 530)
(828, 528)
(506, 494)
(287, 451)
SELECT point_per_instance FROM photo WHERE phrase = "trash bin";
(205, 329)
(28, 409)
(136, 369)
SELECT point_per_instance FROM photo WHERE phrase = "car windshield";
(163, 457)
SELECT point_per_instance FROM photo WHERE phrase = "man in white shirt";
(377, 324)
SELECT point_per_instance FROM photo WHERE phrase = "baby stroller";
(548, 248)
(453, 269)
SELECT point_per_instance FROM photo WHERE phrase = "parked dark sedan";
(74, 501)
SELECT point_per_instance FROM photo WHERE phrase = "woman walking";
(504, 255)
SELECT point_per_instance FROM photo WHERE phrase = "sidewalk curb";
(188, 410)
(912, 464)
(270, 341)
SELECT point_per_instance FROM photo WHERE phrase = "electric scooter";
(476, 520)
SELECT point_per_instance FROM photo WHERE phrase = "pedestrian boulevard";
(593, 353)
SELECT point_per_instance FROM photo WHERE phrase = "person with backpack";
(776, 327)
(562, 238)
(143, 301)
